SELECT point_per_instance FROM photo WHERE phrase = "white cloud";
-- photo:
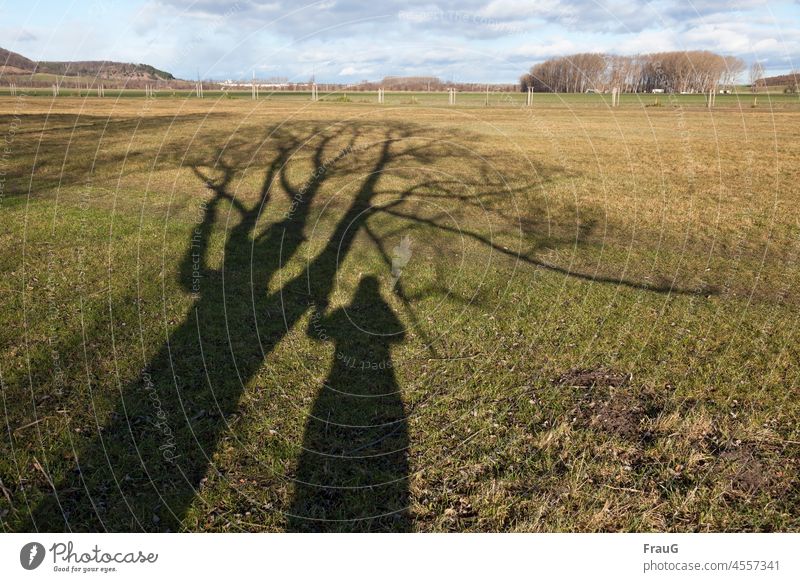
(520, 9)
(545, 49)
(647, 41)
(351, 70)
(483, 40)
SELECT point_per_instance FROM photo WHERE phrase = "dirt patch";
(748, 473)
(620, 416)
(608, 403)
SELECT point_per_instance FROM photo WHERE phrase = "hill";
(16, 60)
(790, 82)
(16, 64)
(790, 79)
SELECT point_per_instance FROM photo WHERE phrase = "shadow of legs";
(353, 472)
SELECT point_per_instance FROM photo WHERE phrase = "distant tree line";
(672, 72)
(790, 82)
(426, 84)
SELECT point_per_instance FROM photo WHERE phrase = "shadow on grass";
(59, 151)
(143, 468)
(352, 473)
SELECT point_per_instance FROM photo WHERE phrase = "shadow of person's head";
(367, 319)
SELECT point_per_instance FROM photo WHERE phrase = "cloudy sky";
(349, 40)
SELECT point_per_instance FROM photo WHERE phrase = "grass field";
(21, 79)
(211, 322)
(741, 100)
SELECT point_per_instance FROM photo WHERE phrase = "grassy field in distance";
(600, 309)
(741, 99)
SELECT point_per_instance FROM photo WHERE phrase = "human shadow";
(353, 471)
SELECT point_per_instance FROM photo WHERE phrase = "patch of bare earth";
(609, 404)
(750, 471)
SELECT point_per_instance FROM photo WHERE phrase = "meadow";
(773, 98)
(569, 317)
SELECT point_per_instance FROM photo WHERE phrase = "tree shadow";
(143, 467)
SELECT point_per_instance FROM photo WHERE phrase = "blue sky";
(347, 40)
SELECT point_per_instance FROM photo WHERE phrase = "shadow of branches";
(144, 467)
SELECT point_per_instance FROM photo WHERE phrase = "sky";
(487, 41)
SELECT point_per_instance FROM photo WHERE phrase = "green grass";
(599, 316)
(739, 100)
(21, 79)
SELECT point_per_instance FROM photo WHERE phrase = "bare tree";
(733, 68)
(675, 72)
(525, 81)
(793, 85)
(756, 76)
